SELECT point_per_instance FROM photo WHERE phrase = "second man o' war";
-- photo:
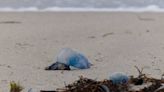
(69, 59)
(119, 78)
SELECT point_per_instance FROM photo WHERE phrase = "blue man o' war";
(118, 78)
(73, 58)
(68, 57)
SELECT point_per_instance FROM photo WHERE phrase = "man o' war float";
(119, 78)
(69, 59)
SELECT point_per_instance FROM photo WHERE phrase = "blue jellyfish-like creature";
(72, 58)
(68, 58)
(119, 78)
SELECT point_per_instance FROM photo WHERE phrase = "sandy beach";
(112, 41)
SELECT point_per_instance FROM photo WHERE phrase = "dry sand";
(113, 42)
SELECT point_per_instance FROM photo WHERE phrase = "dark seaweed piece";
(153, 87)
(138, 81)
(58, 66)
(47, 91)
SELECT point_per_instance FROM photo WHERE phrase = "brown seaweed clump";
(89, 85)
(141, 83)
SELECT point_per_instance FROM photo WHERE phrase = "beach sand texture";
(112, 41)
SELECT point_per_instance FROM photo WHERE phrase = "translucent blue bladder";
(73, 58)
(119, 78)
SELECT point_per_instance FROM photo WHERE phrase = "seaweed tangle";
(90, 85)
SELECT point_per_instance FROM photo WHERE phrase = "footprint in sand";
(146, 18)
(128, 32)
(3, 65)
(157, 71)
(10, 22)
(107, 34)
(147, 30)
(91, 37)
(153, 69)
(23, 45)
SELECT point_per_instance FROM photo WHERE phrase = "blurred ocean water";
(81, 5)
